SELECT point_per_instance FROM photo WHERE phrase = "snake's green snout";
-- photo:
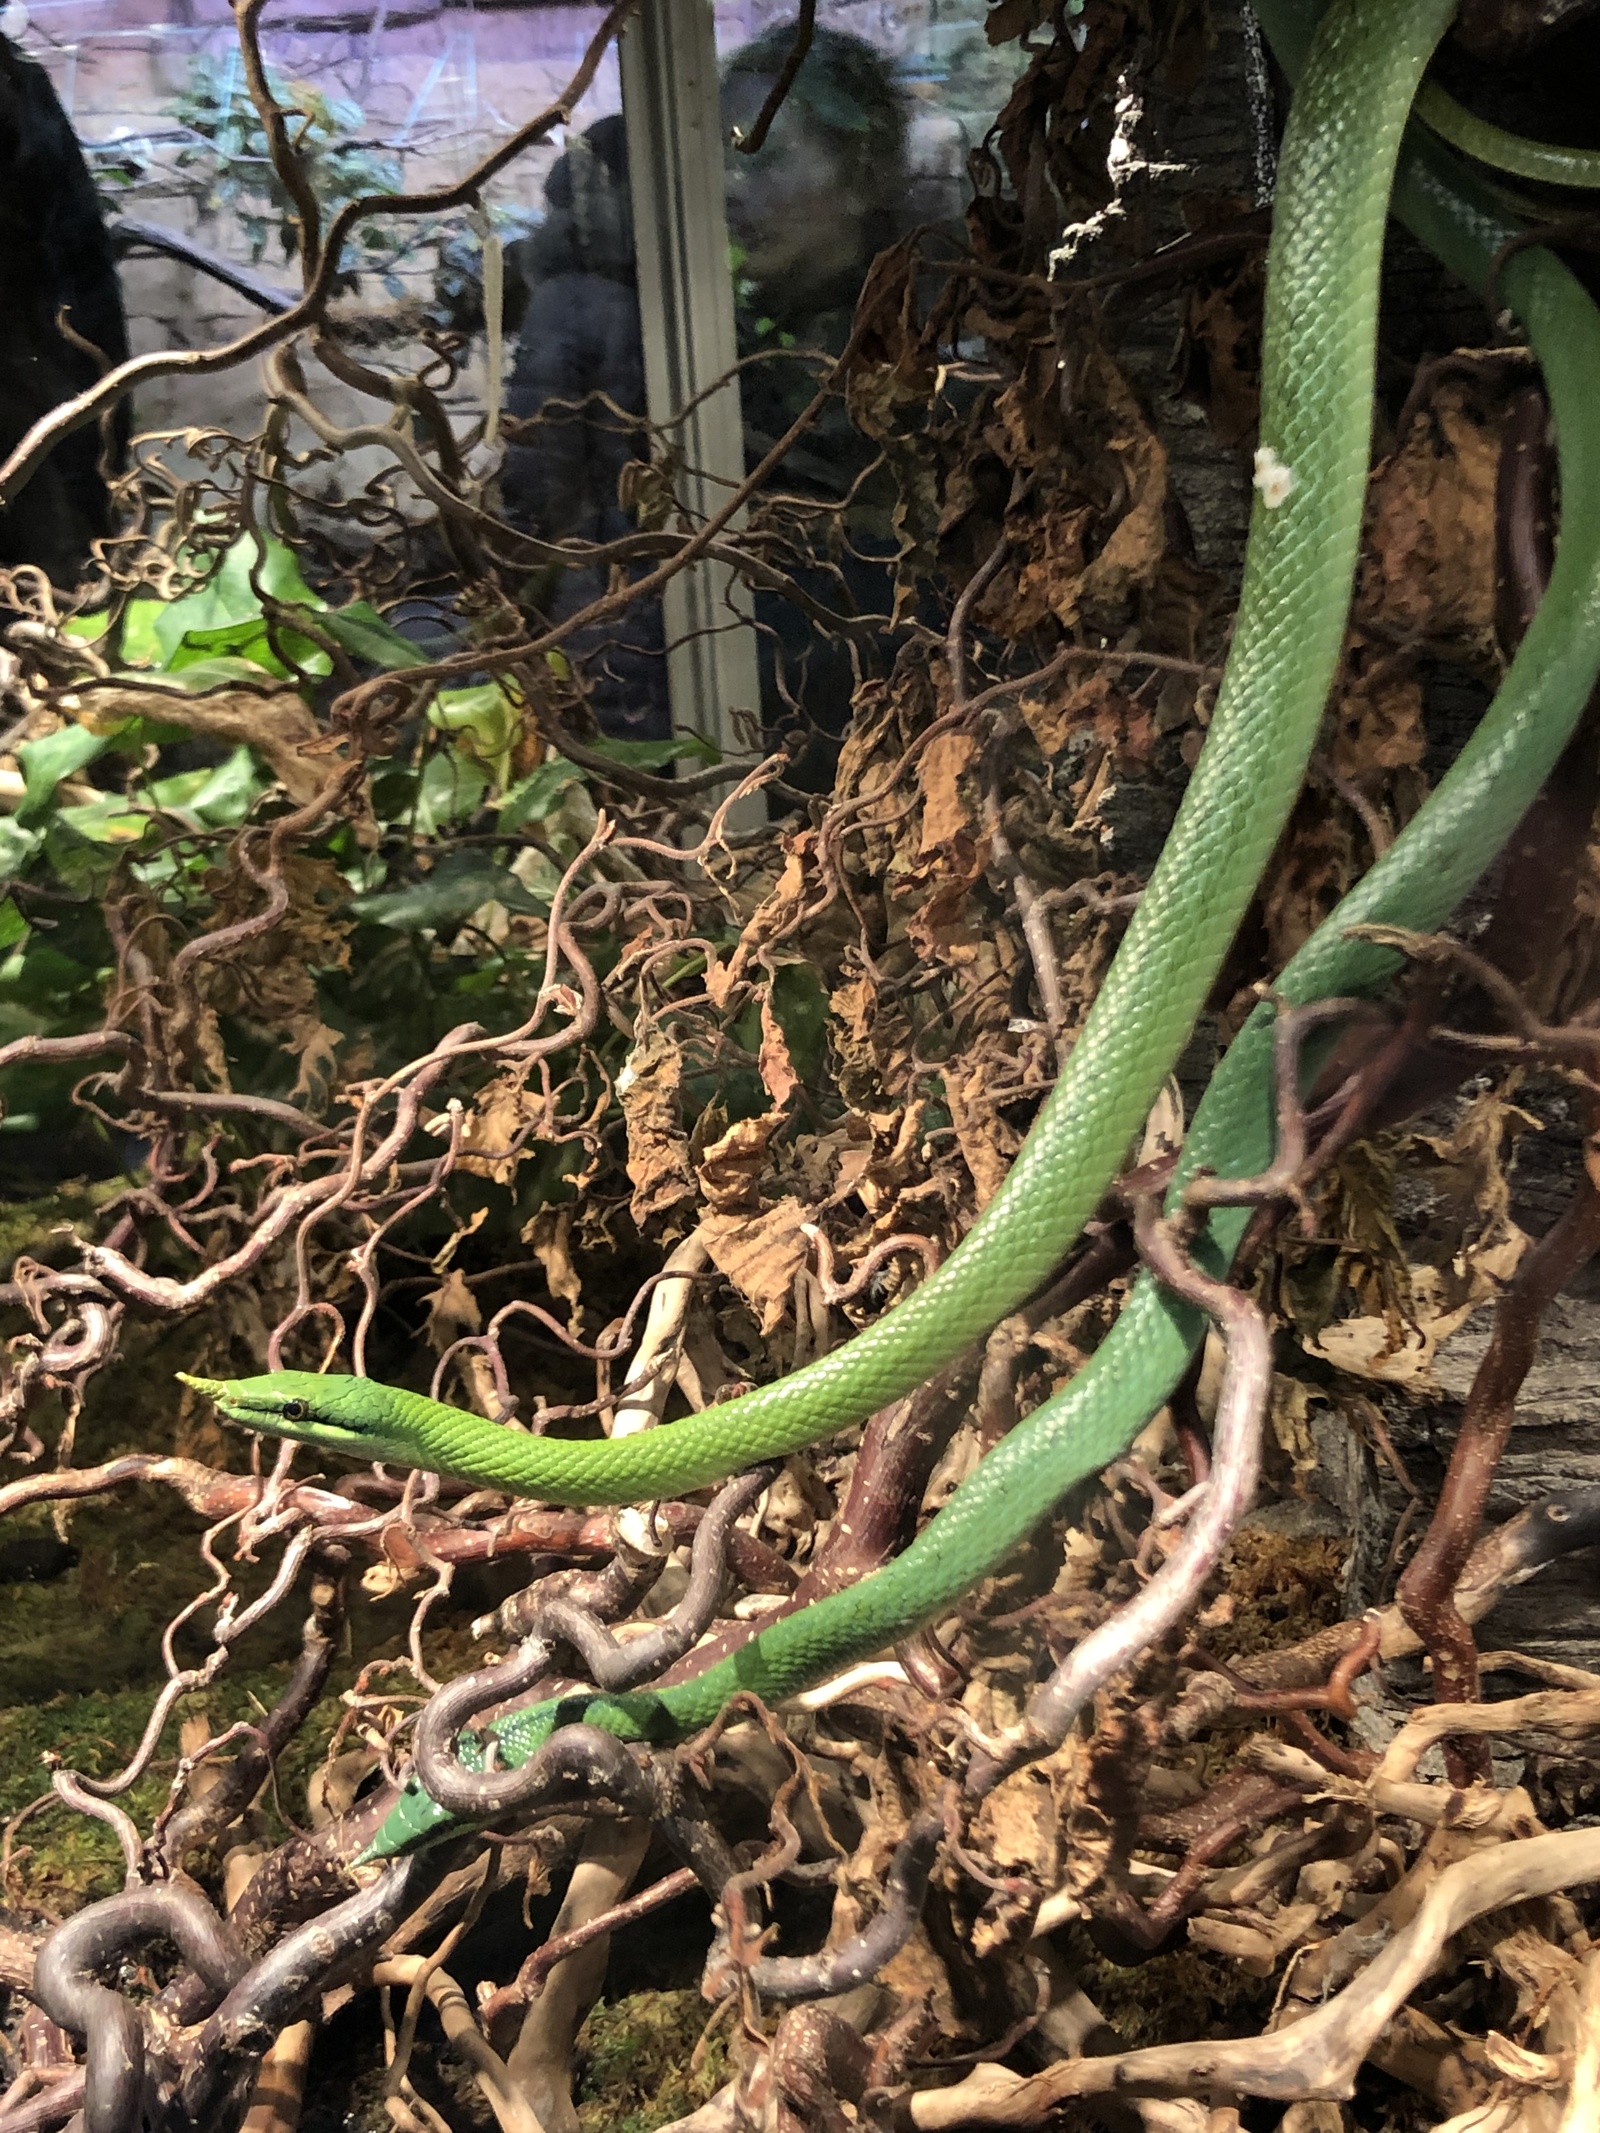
(289, 1403)
(251, 1401)
(226, 1392)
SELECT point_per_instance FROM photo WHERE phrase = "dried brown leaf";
(1431, 528)
(778, 915)
(270, 978)
(659, 1164)
(550, 1236)
(1062, 708)
(1425, 1286)
(949, 813)
(1132, 553)
(452, 1311)
(732, 1168)
(988, 1143)
(774, 1064)
(502, 1109)
(761, 1254)
(1219, 363)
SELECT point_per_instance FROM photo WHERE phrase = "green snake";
(1322, 302)
(1543, 161)
(1339, 155)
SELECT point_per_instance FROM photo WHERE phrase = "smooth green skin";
(1320, 326)
(1542, 161)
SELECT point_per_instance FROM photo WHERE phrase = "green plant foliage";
(428, 917)
(225, 160)
(230, 161)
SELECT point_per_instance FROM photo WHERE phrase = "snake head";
(339, 1414)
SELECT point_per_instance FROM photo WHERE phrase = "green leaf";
(394, 791)
(362, 631)
(252, 640)
(139, 647)
(13, 926)
(537, 795)
(800, 1008)
(205, 674)
(230, 791)
(110, 820)
(456, 888)
(658, 755)
(229, 597)
(137, 734)
(48, 982)
(218, 796)
(451, 787)
(139, 618)
(46, 762)
(176, 791)
(280, 575)
(487, 716)
(17, 846)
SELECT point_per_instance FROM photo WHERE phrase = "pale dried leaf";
(947, 813)
(761, 1254)
(775, 1065)
(986, 1140)
(500, 1111)
(452, 1312)
(732, 1168)
(550, 1236)
(1369, 1347)
(658, 1148)
(1431, 528)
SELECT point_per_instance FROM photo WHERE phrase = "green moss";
(1171, 1999)
(27, 1225)
(99, 1625)
(634, 2061)
(63, 1858)
(1283, 1587)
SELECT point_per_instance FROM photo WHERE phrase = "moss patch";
(634, 2054)
(31, 1225)
(63, 1859)
(1282, 1589)
(1171, 1999)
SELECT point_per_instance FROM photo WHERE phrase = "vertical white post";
(680, 223)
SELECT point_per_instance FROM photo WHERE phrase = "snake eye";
(294, 1410)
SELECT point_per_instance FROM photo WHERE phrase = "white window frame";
(673, 114)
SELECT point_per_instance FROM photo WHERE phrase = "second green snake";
(1545, 162)
(1347, 118)
(1430, 867)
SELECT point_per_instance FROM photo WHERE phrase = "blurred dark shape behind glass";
(808, 213)
(578, 385)
(54, 256)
